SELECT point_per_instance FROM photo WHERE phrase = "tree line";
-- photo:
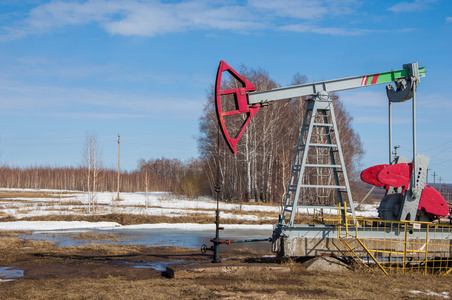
(161, 174)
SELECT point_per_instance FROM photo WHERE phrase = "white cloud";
(146, 20)
(449, 19)
(435, 101)
(304, 9)
(293, 9)
(416, 5)
(55, 14)
(323, 30)
(134, 17)
(45, 100)
(152, 18)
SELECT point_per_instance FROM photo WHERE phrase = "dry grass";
(100, 249)
(132, 219)
(15, 243)
(302, 284)
(34, 194)
(95, 275)
(260, 214)
(13, 233)
(299, 284)
(95, 236)
(103, 288)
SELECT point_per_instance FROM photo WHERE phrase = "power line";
(439, 163)
(406, 149)
(438, 146)
(440, 152)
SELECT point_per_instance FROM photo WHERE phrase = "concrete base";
(299, 246)
(285, 246)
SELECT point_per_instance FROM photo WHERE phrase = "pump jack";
(407, 197)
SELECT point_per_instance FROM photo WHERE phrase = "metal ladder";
(317, 109)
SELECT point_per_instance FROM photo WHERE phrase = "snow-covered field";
(152, 204)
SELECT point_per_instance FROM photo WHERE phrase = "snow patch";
(55, 225)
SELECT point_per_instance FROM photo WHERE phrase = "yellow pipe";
(353, 252)
(370, 254)
(426, 250)
(404, 249)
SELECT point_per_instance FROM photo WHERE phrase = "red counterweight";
(399, 175)
(369, 175)
(433, 202)
(396, 175)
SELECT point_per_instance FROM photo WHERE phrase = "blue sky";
(142, 69)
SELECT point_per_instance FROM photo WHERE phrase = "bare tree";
(143, 166)
(92, 163)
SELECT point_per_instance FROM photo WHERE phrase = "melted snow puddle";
(10, 273)
(156, 265)
(157, 237)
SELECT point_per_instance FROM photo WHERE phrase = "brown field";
(33, 194)
(106, 272)
(131, 219)
(98, 271)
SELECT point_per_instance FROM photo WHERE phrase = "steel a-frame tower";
(315, 175)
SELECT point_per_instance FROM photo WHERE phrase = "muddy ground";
(125, 272)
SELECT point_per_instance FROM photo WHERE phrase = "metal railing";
(397, 247)
(402, 246)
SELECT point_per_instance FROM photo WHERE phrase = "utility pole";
(119, 173)
(434, 179)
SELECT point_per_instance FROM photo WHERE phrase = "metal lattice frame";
(319, 116)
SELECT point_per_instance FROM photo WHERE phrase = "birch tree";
(92, 163)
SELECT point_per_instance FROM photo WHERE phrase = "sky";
(143, 69)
